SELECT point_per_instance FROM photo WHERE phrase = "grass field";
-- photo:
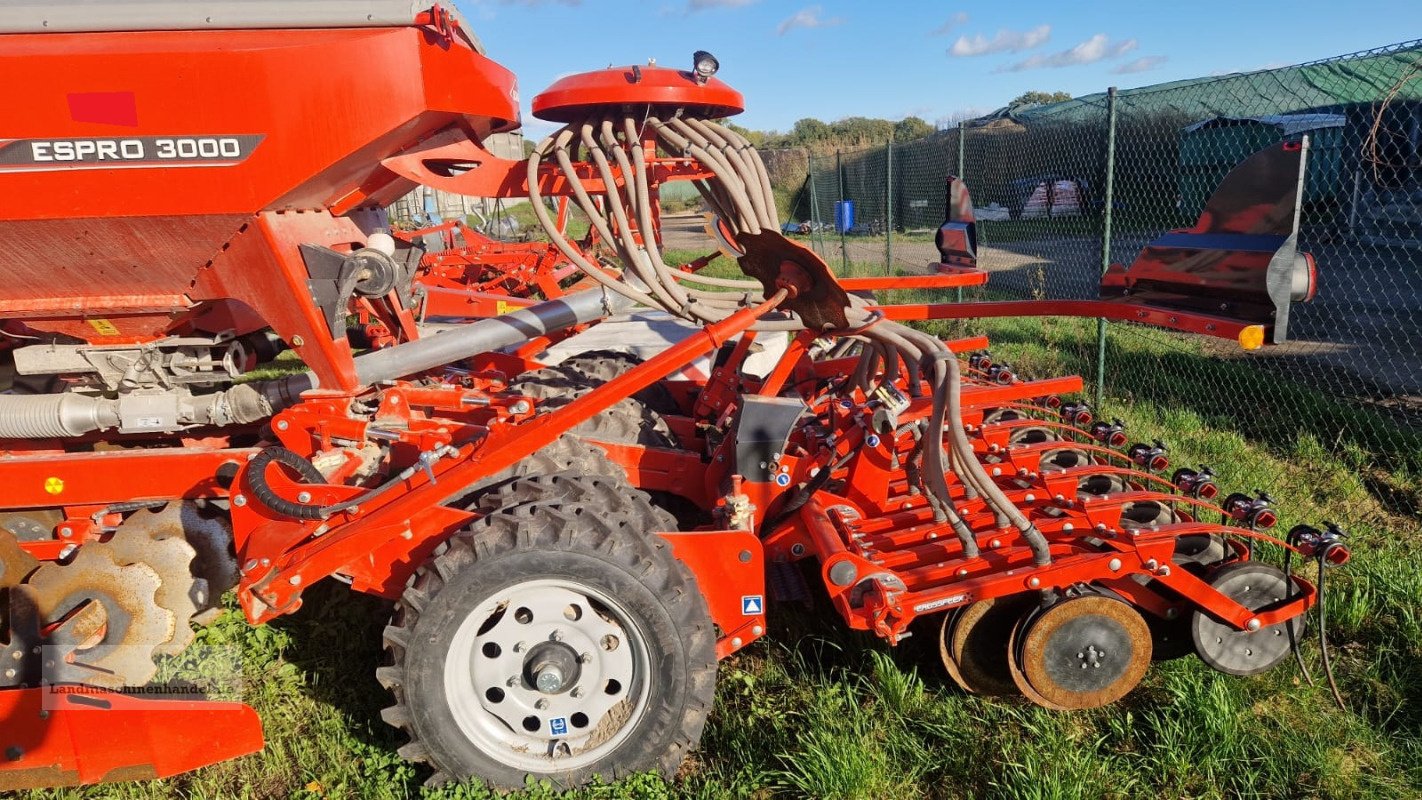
(814, 711)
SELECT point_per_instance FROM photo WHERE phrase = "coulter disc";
(1085, 652)
(974, 643)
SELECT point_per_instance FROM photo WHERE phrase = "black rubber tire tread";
(529, 541)
(594, 492)
(629, 421)
(604, 365)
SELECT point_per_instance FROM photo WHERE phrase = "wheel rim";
(1256, 587)
(1085, 652)
(547, 675)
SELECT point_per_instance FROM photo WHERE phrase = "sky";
(831, 59)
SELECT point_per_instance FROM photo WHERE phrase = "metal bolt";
(736, 642)
(995, 543)
(549, 679)
(282, 425)
(756, 630)
(512, 681)
(14, 753)
(239, 500)
(555, 636)
(576, 693)
(585, 658)
(297, 341)
(797, 549)
(521, 407)
(66, 532)
(519, 647)
(1252, 625)
(540, 704)
(250, 565)
(294, 580)
(1031, 498)
(1034, 582)
(1067, 526)
(1114, 564)
(303, 497)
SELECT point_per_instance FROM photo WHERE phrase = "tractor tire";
(602, 366)
(567, 454)
(578, 488)
(551, 640)
(629, 421)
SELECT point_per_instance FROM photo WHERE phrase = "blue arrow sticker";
(782, 479)
(752, 605)
(558, 726)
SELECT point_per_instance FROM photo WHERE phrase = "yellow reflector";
(1252, 337)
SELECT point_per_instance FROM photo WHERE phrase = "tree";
(910, 128)
(1035, 98)
(808, 131)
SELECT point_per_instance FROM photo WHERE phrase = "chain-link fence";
(1350, 379)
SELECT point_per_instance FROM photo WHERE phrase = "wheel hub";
(552, 667)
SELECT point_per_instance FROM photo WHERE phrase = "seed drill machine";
(188, 190)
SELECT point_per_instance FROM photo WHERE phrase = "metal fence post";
(816, 220)
(962, 168)
(889, 206)
(1106, 236)
(843, 242)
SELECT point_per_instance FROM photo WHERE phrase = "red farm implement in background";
(193, 190)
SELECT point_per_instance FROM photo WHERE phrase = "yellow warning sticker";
(503, 307)
(54, 485)
(104, 327)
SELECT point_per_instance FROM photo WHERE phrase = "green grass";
(817, 711)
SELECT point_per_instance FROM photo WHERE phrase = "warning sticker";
(104, 327)
(752, 605)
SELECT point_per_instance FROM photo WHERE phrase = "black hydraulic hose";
(262, 491)
(1323, 622)
(1289, 595)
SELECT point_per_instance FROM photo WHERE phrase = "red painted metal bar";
(72, 735)
(1249, 336)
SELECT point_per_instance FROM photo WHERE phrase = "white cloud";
(1006, 41)
(957, 20)
(1142, 64)
(704, 5)
(1097, 48)
(807, 18)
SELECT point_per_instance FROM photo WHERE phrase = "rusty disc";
(977, 644)
(1014, 663)
(15, 563)
(1085, 652)
(945, 653)
(105, 619)
(157, 540)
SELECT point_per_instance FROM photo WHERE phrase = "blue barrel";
(843, 215)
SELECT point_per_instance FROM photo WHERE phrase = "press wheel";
(1256, 587)
(1084, 652)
